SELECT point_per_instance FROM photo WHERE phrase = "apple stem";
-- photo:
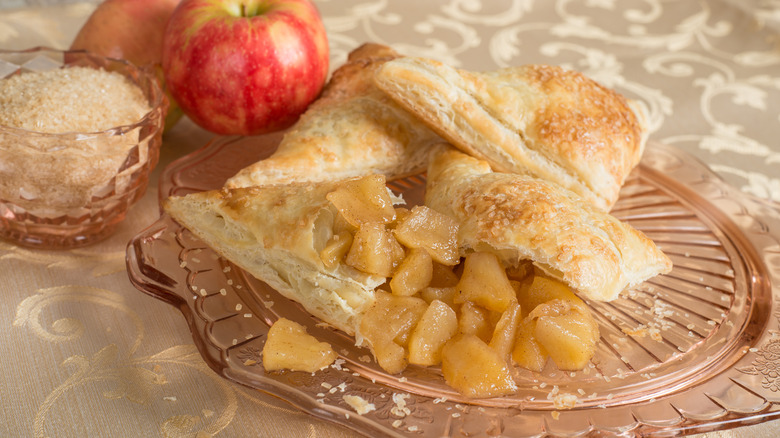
(243, 10)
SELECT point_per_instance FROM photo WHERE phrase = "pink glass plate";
(692, 351)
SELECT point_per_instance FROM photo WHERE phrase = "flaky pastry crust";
(519, 217)
(539, 120)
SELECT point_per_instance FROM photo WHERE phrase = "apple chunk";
(475, 320)
(387, 324)
(413, 274)
(289, 347)
(564, 325)
(363, 200)
(527, 352)
(474, 369)
(374, 250)
(336, 249)
(444, 294)
(431, 230)
(570, 338)
(484, 282)
(437, 325)
(538, 289)
(505, 332)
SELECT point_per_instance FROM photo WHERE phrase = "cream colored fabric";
(86, 354)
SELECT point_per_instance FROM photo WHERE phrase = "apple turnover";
(353, 129)
(539, 120)
(518, 217)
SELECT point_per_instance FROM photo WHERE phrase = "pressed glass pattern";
(99, 175)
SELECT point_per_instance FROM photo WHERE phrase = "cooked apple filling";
(289, 347)
(472, 316)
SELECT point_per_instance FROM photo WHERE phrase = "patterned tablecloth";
(86, 354)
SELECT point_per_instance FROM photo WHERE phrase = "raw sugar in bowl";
(79, 136)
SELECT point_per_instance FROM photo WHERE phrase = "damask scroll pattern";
(97, 263)
(118, 369)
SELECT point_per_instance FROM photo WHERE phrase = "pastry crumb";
(359, 404)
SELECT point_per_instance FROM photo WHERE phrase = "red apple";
(245, 67)
(131, 30)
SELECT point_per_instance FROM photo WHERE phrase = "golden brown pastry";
(518, 217)
(539, 120)
(352, 129)
(276, 233)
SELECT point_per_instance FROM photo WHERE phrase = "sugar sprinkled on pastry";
(518, 217)
(537, 119)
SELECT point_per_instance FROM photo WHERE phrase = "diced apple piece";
(527, 352)
(444, 294)
(374, 250)
(429, 229)
(475, 320)
(538, 289)
(387, 324)
(413, 274)
(363, 200)
(474, 369)
(437, 325)
(289, 347)
(505, 332)
(336, 248)
(484, 282)
(569, 338)
(564, 325)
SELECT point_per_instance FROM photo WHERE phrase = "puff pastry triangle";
(276, 233)
(536, 119)
(352, 129)
(519, 217)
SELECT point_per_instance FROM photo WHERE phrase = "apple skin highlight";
(245, 68)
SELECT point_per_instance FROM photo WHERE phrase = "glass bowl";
(65, 190)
